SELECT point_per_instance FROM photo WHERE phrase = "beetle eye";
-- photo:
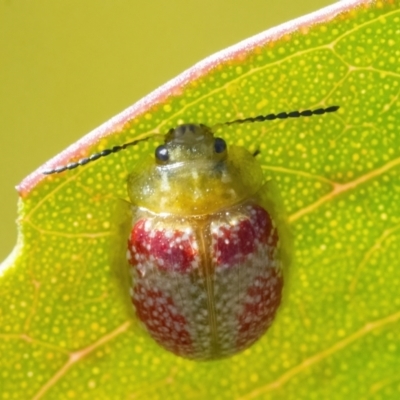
(219, 145)
(162, 153)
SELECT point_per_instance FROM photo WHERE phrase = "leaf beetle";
(204, 250)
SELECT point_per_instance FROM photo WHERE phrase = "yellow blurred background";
(68, 66)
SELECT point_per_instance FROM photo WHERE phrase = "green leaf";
(66, 330)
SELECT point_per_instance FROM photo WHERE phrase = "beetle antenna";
(93, 157)
(260, 118)
(256, 153)
(284, 115)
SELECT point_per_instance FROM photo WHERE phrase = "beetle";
(205, 249)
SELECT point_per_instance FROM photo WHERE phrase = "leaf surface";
(66, 331)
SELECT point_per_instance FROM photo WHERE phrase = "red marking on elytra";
(263, 227)
(262, 302)
(234, 242)
(173, 250)
(162, 319)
